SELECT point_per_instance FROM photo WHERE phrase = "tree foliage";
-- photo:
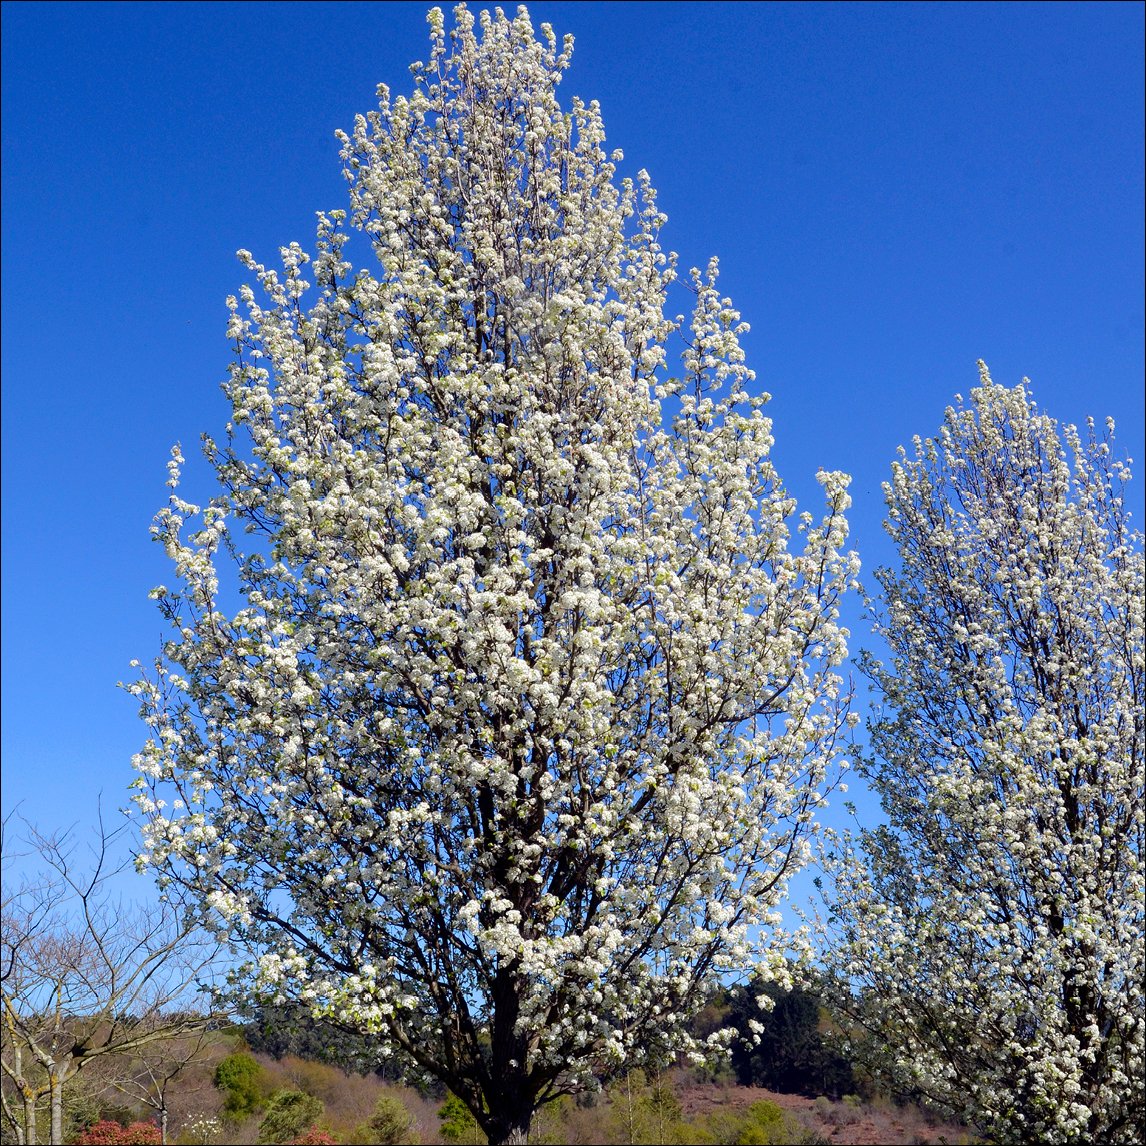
(240, 1077)
(524, 718)
(292, 1029)
(456, 1122)
(391, 1123)
(290, 1113)
(780, 1044)
(994, 926)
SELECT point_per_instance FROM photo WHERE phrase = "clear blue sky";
(894, 191)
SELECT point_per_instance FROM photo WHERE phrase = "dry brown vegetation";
(851, 1122)
(680, 1107)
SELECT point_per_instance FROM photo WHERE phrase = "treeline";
(793, 1051)
(282, 1076)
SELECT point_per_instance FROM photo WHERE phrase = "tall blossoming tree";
(995, 924)
(522, 723)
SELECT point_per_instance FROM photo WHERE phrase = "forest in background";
(283, 1077)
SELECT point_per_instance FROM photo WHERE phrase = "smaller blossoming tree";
(994, 927)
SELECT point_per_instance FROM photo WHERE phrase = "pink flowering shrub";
(107, 1132)
(314, 1137)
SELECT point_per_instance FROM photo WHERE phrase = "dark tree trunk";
(510, 1130)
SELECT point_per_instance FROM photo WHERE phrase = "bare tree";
(85, 975)
(146, 1073)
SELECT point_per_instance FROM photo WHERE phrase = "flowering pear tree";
(519, 722)
(993, 929)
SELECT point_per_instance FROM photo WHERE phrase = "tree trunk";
(509, 1124)
(512, 1131)
(56, 1090)
(29, 1137)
